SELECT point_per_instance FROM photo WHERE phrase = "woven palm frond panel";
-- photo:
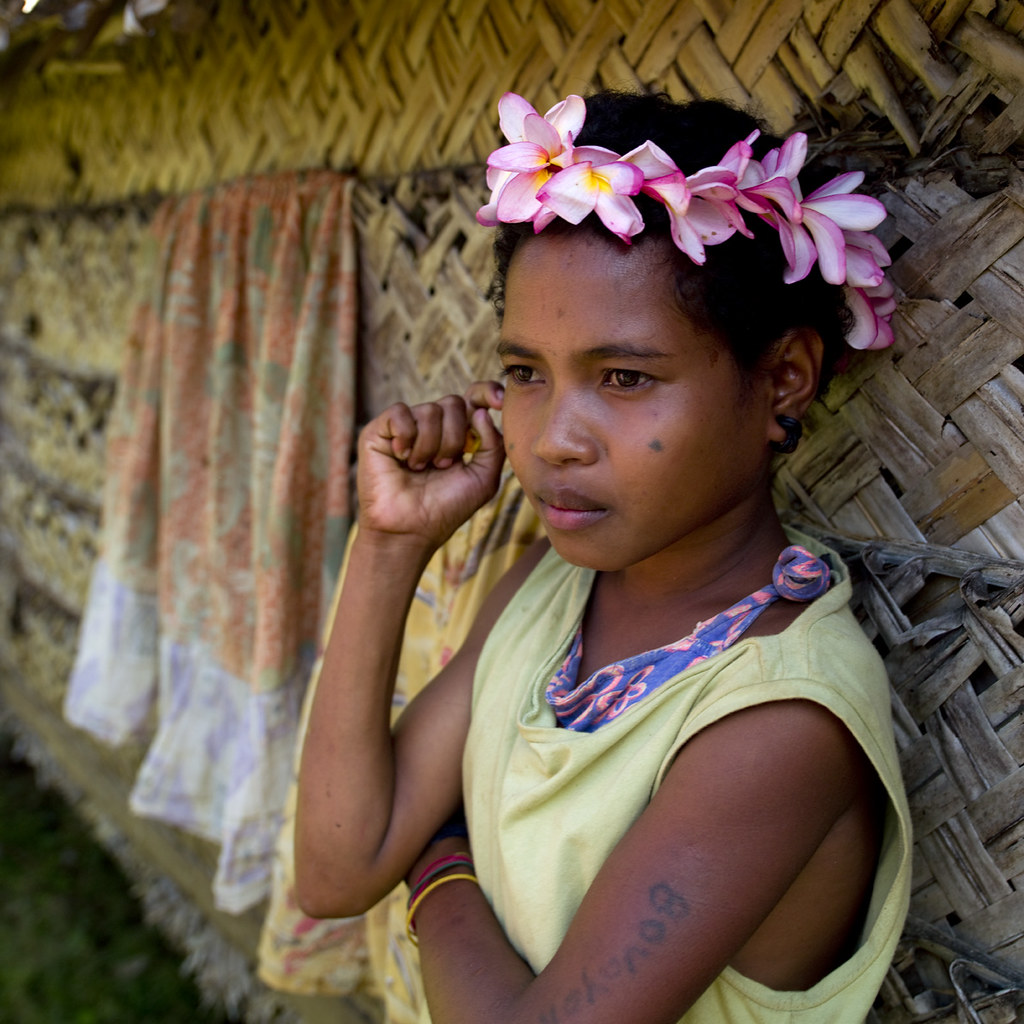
(947, 623)
(219, 91)
(427, 328)
(926, 442)
(44, 645)
(56, 542)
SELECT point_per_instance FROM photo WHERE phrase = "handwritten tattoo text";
(669, 907)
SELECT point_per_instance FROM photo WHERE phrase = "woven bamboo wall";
(926, 442)
(948, 625)
(426, 327)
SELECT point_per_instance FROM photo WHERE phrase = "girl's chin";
(585, 556)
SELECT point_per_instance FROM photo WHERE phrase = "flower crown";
(542, 174)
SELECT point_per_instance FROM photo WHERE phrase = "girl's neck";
(728, 561)
(659, 601)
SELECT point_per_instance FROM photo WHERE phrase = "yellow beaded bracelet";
(437, 883)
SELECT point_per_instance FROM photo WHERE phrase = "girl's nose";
(563, 433)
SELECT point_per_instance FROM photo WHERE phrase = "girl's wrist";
(450, 846)
(392, 553)
(426, 878)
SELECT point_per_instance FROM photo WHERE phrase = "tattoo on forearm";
(670, 907)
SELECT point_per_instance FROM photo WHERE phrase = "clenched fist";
(423, 470)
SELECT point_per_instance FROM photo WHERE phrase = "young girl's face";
(632, 431)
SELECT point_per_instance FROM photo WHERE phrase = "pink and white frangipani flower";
(829, 212)
(771, 185)
(596, 182)
(787, 160)
(542, 174)
(865, 257)
(739, 155)
(869, 293)
(811, 229)
(538, 146)
(566, 117)
(872, 310)
(701, 209)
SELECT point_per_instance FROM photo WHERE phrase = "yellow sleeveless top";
(547, 805)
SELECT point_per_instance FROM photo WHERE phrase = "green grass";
(73, 946)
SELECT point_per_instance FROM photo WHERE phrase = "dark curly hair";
(739, 292)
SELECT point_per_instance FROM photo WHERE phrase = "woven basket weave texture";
(948, 622)
(925, 442)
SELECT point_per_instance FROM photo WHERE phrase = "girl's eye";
(518, 374)
(627, 378)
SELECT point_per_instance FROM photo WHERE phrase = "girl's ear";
(794, 369)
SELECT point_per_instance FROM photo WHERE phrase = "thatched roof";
(171, 94)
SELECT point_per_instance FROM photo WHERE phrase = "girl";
(671, 738)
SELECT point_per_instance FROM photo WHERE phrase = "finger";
(484, 394)
(489, 451)
(393, 432)
(428, 417)
(441, 433)
(481, 394)
(454, 425)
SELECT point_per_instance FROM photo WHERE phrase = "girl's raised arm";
(368, 804)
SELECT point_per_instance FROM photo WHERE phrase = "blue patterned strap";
(797, 576)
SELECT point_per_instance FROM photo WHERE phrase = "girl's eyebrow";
(508, 348)
(619, 350)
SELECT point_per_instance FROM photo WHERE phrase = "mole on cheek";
(654, 445)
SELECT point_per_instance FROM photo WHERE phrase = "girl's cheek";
(511, 422)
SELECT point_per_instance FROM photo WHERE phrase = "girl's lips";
(567, 510)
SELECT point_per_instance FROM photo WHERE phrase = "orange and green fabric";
(226, 508)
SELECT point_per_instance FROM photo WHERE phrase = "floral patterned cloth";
(301, 955)
(226, 507)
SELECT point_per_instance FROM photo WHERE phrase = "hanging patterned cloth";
(225, 509)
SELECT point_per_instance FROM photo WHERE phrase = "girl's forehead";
(580, 286)
(564, 298)
(583, 250)
(580, 269)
